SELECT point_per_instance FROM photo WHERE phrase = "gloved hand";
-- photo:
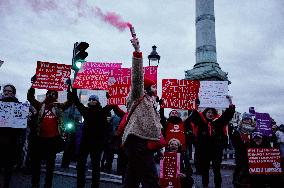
(33, 78)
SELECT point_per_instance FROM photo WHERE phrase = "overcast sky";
(249, 35)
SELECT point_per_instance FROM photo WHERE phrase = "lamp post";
(154, 57)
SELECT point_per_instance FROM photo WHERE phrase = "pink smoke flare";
(38, 5)
(112, 18)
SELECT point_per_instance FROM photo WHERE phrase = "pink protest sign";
(94, 76)
(180, 94)
(119, 86)
(151, 73)
(52, 76)
(120, 83)
(169, 170)
(264, 161)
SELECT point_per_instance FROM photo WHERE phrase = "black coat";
(96, 127)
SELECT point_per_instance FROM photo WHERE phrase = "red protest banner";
(52, 76)
(264, 161)
(94, 75)
(119, 86)
(180, 94)
(120, 82)
(169, 170)
(151, 73)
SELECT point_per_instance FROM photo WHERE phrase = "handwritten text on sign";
(263, 123)
(119, 86)
(213, 94)
(180, 94)
(120, 82)
(264, 161)
(52, 76)
(169, 169)
(13, 114)
(94, 76)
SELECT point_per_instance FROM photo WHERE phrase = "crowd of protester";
(137, 136)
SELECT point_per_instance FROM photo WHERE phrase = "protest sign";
(120, 82)
(13, 114)
(119, 86)
(52, 76)
(213, 94)
(169, 170)
(264, 161)
(180, 94)
(263, 123)
(94, 75)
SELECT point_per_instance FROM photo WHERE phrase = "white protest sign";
(213, 94)
(13, 114)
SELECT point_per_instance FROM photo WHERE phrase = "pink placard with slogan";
(264, 161)
(52, 76)
(120, 82)
(180, 94)
(94, 76)
(169, 170)
(119, 86)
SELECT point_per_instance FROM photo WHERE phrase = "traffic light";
(79, 55)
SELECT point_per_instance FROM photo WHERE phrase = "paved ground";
(66, 177)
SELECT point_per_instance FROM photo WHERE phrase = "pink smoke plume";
(82, 9)
(113, 19)
(38, 5)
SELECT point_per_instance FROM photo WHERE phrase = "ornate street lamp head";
(154, 56)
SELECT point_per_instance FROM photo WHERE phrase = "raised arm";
(69, 101)
(226, 117)
(137, 76)
(81, 108)
(31, 98)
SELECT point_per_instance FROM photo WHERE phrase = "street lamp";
(154, 57)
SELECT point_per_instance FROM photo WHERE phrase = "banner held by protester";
(13, 114)
(52, 76)
(169, 170)
(264, 161)
(213, 94)
(263, 123)
(180, 94)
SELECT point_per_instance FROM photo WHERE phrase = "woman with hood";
(211, 136)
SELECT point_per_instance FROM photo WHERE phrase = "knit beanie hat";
(246, 116)
(94, 97)
(148, 82)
